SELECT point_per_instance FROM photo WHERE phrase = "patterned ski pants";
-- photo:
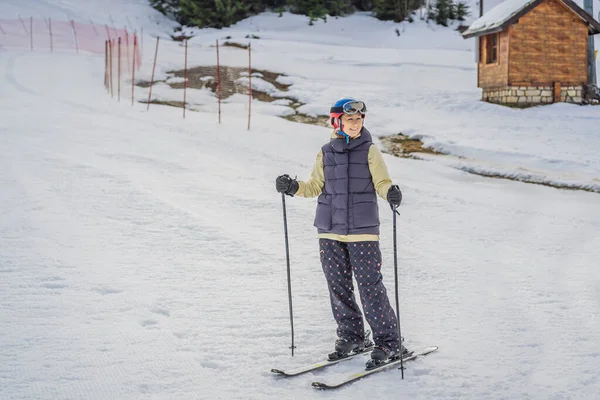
(339, 261)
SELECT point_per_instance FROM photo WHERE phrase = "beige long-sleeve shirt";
(314, 187)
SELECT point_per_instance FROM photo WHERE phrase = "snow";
(498, 15)
(142, 254)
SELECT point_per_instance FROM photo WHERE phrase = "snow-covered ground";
(142, 255)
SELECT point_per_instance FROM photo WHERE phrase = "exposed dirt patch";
(165, 103)
(238, 45)
(143, 84)
(402, 146)
(306, 119)
(206, 77)
(180, 38)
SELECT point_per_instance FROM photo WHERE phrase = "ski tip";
(425, 351)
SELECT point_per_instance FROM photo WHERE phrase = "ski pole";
(394, 212)
(289, 279)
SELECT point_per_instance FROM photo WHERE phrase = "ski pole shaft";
(289, 278)
(396, 280)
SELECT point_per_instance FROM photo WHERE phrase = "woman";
(347, 176)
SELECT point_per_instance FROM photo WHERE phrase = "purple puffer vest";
(348, 203)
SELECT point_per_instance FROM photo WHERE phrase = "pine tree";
(442, 11)
(337, 8)
(313, 8)
(320, 9)
(452, 11)
(363, 5)
(462, 10)
(396, 10)
(167, 7)
(213, 13)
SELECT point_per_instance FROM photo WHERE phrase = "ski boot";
(345, 347)
(383, 355)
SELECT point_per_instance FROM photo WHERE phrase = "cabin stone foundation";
(532, 95)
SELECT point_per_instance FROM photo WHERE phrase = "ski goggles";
(354, 107)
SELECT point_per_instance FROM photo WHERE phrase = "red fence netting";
(49, 34)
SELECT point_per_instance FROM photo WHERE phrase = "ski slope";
(142, 255)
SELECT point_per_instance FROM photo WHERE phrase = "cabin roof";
(509, 11)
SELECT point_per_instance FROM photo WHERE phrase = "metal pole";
(50, 30)
(113, 24)
(589, 8)
(287, 255)
(153, 68)
(394, 211)
(106, 64)
(111, 45)
(218, 81)
(249, 83)
(127, 44)
(94, 27)
(142, 43)
(185, 77)
(75, 36)
(23, 23)
(119, 70)
(133, 70)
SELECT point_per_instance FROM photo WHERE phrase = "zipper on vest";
(348, 193)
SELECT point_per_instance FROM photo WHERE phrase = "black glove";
(394, 195)
(287, 185)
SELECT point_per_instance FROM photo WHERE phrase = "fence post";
(50, 30)
(94, 27)
(185, 77)
(119, 71)
(138, 53)
(110, 49)
(142, 44)
(127, 44)
(23, 23)
(75, 36)
(112, 21)
(249, 83)
(218, 81)
(106, 64)
(152, 78)
(133, 70)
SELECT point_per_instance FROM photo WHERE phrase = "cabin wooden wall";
(496, 74)
(548, 44)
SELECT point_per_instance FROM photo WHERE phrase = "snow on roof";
(497, 16)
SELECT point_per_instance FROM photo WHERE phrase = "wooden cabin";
(533, 51)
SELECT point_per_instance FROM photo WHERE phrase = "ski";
(319, 365)
(356, 376)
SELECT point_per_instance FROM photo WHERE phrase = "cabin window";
(491, 50)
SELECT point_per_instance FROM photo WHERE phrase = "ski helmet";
(345, 105)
